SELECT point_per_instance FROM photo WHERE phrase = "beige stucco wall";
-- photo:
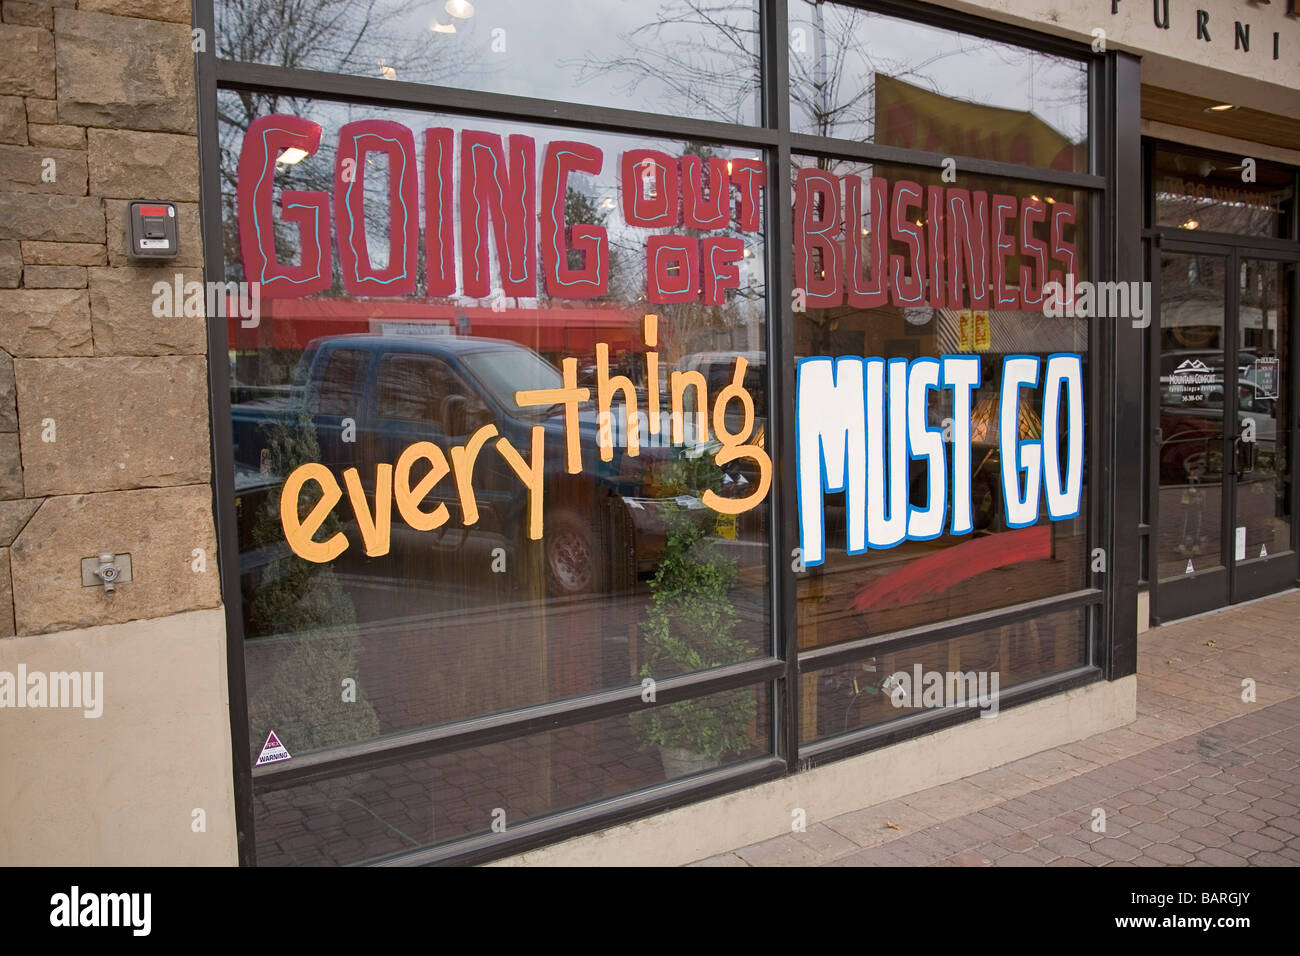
(759, 813)
(122, 788)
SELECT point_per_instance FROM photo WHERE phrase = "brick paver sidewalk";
(1201, 778)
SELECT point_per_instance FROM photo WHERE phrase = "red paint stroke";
(939, 572)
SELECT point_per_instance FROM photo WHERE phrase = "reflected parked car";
(359, 400)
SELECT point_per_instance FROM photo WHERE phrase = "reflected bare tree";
(705, 53)
(363, 37)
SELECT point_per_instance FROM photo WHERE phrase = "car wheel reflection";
(571, 559)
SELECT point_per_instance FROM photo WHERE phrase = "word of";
(968, 242)
(103, 909)
(950, 689)
(860, 423)
(178, 298)
(57, 689)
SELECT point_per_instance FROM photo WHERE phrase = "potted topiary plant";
(690, 626)
(303, 612)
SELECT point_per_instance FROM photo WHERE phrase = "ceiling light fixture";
(1191, 224)
(291, 156)
(460, 8)
(1221, 108)
(437, 27)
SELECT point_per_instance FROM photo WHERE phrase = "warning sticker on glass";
(272, 751)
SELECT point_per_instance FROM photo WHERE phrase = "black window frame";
(1115, 221)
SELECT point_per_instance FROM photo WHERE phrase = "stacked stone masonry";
(104, 429)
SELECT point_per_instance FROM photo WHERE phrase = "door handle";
(1239, 467)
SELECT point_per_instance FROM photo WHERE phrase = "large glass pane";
(861, 75)
(496, 533)
(489, 789)
(1263, 516)
(1212, 192)
(1192, 359)
(677, 57)
(969, 671)
(932, 570)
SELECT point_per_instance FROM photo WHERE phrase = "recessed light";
(1191, 224)
(291, 156)
(437, 27)
(1221, 108)
(460, 8)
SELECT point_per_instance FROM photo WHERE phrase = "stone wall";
(105, 446)
(104, 434)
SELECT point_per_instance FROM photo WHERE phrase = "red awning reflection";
(292, 323)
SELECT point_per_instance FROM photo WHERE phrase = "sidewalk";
(1201, 778)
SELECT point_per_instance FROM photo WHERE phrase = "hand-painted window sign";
(411, 483)
(498, 204)
(961, 246)
(969, 243)
(861, 423)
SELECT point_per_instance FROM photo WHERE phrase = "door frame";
(1231, 582)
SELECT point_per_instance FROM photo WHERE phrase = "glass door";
(1224, 531)
(1262, 560)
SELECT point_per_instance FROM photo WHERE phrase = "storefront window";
(940, 537)
(420, 803)
(861, 75)
(500, 400)
(675, 57)
(970, 672)
(1208, 192)
(521, 476)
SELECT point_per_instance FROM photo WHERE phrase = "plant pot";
(681, 762)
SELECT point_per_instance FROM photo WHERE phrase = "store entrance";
(1223, 527)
